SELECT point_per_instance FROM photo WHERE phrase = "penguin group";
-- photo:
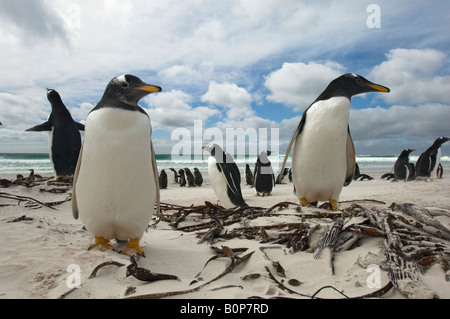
(183, 177)
(427, 167)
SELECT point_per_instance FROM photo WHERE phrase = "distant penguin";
(281, 178)
(182, 178)
(440, 171)
(428, 162)
(198, 178)
(264, 178)
(115, 188)
(403, 169)
(323, 158)
(189, 177)
(163, 180)
(360, 176)
(248, 175)
(64, 137)
(175, 176)
(225, 177)
(290, 175)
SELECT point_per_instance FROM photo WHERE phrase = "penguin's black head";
(53, 97)
(128, 89)
(351, 84)
(213, 149)
(441, 140)
(406, 151)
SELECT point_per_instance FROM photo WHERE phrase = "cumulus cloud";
(235, 99)
(411, 76)
(299, 84)
(172, 109)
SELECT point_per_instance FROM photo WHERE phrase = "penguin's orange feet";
(101, 244)
(132, 247)
(304, 202)
(334, 204)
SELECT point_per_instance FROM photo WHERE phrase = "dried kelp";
(235, 261)
(414, 239)
(144, 274)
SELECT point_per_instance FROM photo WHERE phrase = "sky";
(228, 66)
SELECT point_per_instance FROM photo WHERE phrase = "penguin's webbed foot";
(334, 204)
(132, 247)
(304, 202)
(101, 244)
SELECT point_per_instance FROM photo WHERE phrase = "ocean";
(12, 164)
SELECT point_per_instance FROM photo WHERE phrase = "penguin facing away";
(225, 177)
(115, 187)
(264, 178)
(64, 137)
(248, 175)
(323, 158)
(198, 178)
(162, 180)
(403, 169)
(428, 163)
(182, 178)
(189, 177)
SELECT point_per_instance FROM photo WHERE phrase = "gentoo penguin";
(175, 176)
(163, 180)
(64, 141)
(360, 176)
(248, 175)
(198, 178)
(440, 171)
(428, 162)
(182, 178)
(281, 178)
(189, 177)
(263, 176)
(115, 187)
(323, 159)
(403, 169)
(225, 177)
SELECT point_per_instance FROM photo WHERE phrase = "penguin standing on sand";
(64, 141)
(248, 175)
(115, 187)
(428, 163)
(403, 169)
(198, 178)
(175, 176)
(225, 177)
(182, 179)
(264, 178)
(323, 159)
(163, 180)
(189, 177)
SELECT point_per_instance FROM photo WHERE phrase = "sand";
(46, 256)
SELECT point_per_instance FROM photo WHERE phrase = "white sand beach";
(43, 250)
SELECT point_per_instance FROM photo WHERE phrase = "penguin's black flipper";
(80, 126)
(351, 160)
(46, 126)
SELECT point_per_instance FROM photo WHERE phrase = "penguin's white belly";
(116, 189)
(319, 156)
(219, 183)
(433, 173)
